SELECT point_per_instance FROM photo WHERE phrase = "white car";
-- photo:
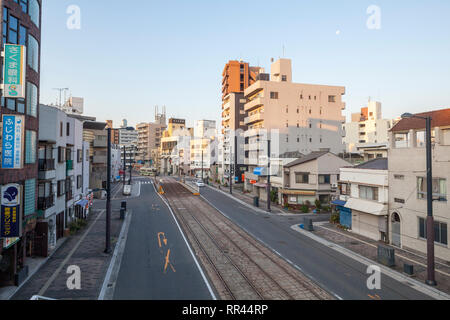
(200, 183)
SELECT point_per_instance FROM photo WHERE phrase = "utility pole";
(202, 164)
(124, 164)
(268, 175)
(108, 196)
(230, 178)
(430, 220)
(131, 164)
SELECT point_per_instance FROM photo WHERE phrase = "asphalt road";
(335, 272)
(148, 271)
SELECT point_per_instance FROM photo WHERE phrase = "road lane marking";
(168, 263)
(163, 237)
(211, 292)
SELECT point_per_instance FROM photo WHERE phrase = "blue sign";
(10, 211)
(12, 141)
(259, 171)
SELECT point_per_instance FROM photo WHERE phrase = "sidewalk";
(85, 250)
(368, 248)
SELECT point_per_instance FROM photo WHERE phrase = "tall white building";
(367, 128)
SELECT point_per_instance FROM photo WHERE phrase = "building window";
(32, 99)
(331, 98)
(368, 193)
(30, 147)
(301, 177)
(79, 182)
(33, 53)
(29, 197)
(439, 188)
(24, 5)
(273, 95)
(34, 12)
(324, 179)
(420, 139)
(283, 78)
(61, 188)
(398, 200)
(440, 231)
(61, 154)
(79, 155)
(301, 97)
(399, 177)
(67, 129)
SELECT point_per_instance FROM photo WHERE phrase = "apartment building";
(175, 147)
(149, 140)
(128, 136)
(21, 25)
(367, 128)
(407, 183)
(363, 199)
(294, 116)
(236, 77)
(61, 195)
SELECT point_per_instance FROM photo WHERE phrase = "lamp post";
(430, 220)
(108, 196)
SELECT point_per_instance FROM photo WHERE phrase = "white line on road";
(189, 247)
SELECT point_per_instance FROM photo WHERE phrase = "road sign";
(12, 142)
(14, 71)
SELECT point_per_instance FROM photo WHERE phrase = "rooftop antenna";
(60, 94)
(283, 50)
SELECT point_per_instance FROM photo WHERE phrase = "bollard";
(122, 213)
(124, 205)
(256, 201)
(408, 269)
(308, 224)
(386, 255)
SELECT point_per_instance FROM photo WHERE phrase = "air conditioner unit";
(334, 185)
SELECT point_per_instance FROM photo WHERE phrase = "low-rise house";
(311, 177)
(363, 198)
(408, 187)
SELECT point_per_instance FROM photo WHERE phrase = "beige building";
(367, 128)
(407, 183)
(296, 117)
(175, 147)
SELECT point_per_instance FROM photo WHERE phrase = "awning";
(299, 192)
(339, 202)
(260, 185)
(260, 171)
(82, 203)
(365, 206)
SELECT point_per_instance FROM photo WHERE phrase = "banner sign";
(9, 242)
(13, 137)
(10, 211)
(14, 70)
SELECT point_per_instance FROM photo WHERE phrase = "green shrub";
(305, 209)
(318, 204)
(335, 218)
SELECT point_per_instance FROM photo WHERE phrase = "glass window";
(401, 140)
(301, 177)
(20, 105)
(32, 99)
(12, 31)
(23, 35)
(324, 179)
(24, 5)
(420, 139)
(440, 231)
(439, 188)
(368, 193)
(29, 198)
(33, 53)
(34, 11)
(30, 147)
(11, 104)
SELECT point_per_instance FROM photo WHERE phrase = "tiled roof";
(312, 156)
(439, 118)
(375, 164)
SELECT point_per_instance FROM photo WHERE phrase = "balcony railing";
(45, 203)
(46, 164)
(69, 195)
(69, 165)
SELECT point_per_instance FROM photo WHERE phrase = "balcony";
(45, 203)
(69, 195)
(253, 104)
(254, 118)
(46, 169)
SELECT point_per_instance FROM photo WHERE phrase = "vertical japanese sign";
(12, 141)
(14, 69)
(10, 226)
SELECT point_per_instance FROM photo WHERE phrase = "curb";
(417, 285)
(108, 287)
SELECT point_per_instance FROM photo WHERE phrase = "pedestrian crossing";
(145, 182)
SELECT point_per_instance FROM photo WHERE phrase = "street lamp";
(430, 221)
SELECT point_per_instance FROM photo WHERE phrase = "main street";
(157, 264)
(342, 276)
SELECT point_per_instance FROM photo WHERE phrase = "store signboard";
(12, 141)
(10, 222)
(14, 71)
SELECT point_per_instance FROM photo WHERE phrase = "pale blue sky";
(127, 59)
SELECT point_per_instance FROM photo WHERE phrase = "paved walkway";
(85, 250)
(368, 248)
